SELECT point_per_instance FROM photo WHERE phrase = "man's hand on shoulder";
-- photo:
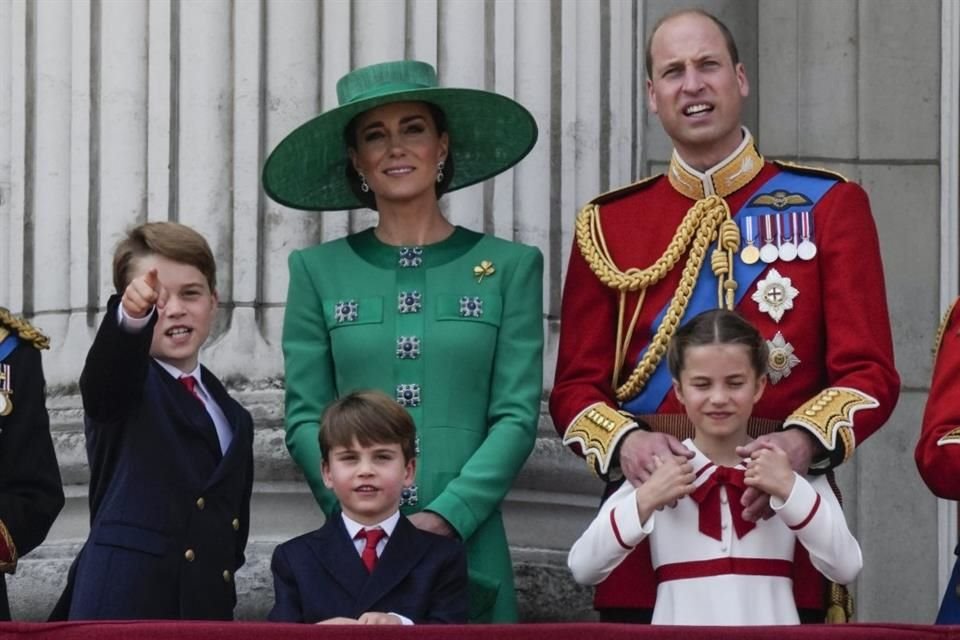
(639, 450)
(800, 449)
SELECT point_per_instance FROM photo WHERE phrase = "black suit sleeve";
(287, 606)
(449, 601)
(116, 367)
(31, 494)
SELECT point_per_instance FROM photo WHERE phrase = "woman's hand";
(429, 521)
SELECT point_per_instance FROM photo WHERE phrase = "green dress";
(454, 331)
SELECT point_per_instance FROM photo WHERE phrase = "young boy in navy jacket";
(369, 564)
(170, 452)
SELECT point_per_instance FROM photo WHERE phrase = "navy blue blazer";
(320, 575)
(169, 513)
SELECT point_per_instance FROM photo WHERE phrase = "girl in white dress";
(714, 567)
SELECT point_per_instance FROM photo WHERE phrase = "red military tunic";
(938, 451)
(832, 352)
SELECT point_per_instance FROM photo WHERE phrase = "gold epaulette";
(829, 417)
(26, 331)
(807, 169)
(619, 192)
(943, 327)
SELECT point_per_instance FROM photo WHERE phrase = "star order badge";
(775, 295)
(781, 361)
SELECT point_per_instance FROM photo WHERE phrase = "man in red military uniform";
(938, 451)
(794, 250)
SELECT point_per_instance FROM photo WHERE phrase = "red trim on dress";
(724, 566)
(616, 530)
(806, 521)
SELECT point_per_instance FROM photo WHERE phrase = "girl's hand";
(671, 480)
(769, 471)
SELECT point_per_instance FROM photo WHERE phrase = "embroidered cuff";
(8, 551)
(598, 430)
(951, 437)
(829, 417)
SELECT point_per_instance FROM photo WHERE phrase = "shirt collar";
(727, 176)
(176, 373)
(354, 527)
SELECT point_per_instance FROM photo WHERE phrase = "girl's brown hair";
(717, 326)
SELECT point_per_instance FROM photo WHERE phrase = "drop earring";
(363, 183)
(440, 171)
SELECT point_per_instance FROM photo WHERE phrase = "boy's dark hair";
(724, 30)
(368, 198)
(372, 417)
(717, 326)
(174, 241)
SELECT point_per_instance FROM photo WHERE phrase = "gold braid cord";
(24, 329)
(707, 220)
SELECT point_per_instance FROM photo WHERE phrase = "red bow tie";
(707, 495)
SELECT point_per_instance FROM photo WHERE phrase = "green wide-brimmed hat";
(489, 133)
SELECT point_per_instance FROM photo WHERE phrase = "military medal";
(750, 253)
(775, 294)
(6, 390)
(781, 361)
(788, 250)
(768, 252)
(807, 249)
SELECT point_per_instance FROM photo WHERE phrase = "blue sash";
(810, 189)
(8, 345)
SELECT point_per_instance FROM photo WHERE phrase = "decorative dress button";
(723, 547)
(409, 302)
(236, 524)
(408, 347)
(201, 503)
(189, 555)
(408, 496)
(471, 307)
(346, 311)
(411, 257)
(408, 395)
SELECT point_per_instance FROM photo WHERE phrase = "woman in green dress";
(447, 320)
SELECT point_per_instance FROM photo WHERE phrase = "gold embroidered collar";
(722, 179)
